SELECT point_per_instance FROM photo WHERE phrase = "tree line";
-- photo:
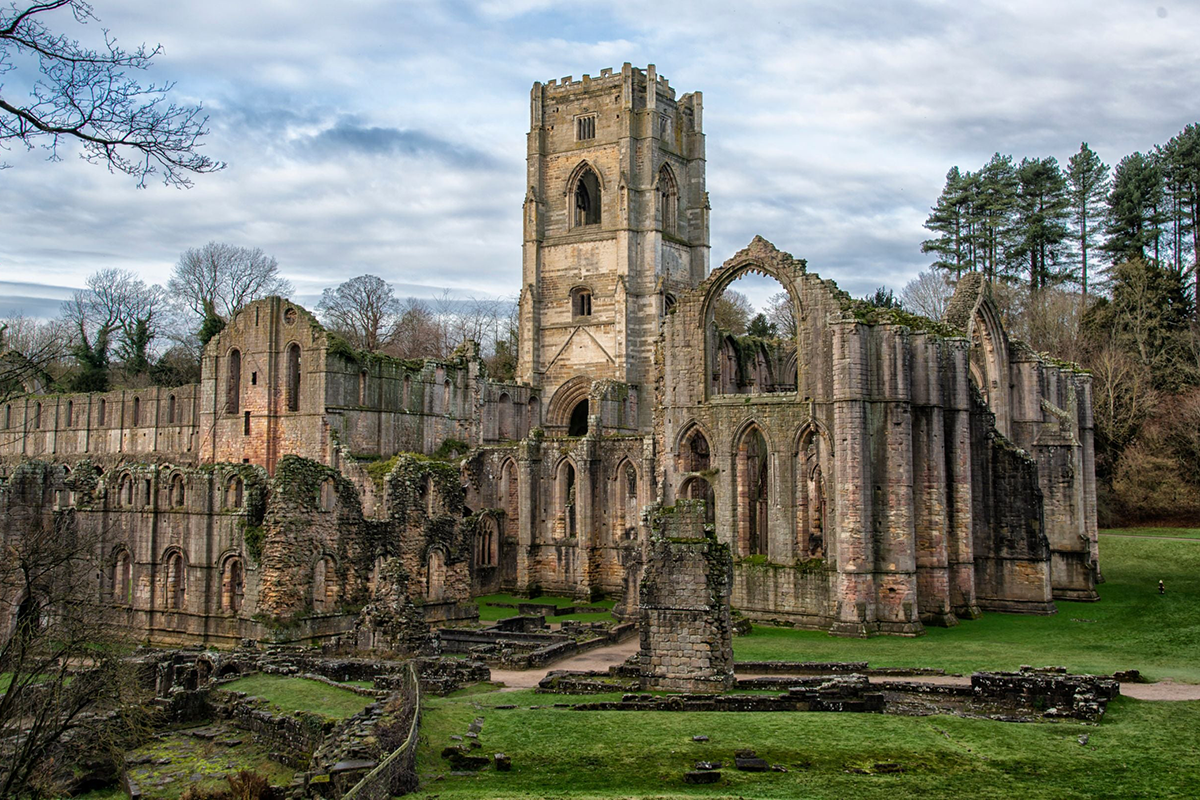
(121, 332)
(1098, 266)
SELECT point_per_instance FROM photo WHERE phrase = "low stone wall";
(397, 773)
(1054, 693)
(292, 738)
(850, 693)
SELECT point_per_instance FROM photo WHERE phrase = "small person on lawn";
(1161, 589)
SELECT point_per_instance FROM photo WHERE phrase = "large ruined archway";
(751, 350)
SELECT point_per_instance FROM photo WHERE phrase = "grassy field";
(1140, 750)
(1131, 627)
(300, 694)
(488, 613)
(1173, 533)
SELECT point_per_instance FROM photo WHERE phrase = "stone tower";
(615, 224)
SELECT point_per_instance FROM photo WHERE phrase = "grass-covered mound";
(1131, 627)
(300, 694)
(1140, 749)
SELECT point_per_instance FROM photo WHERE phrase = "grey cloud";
(346, 136)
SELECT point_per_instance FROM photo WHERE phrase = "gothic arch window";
(176, 581)
(235, 493)
(324, 587)
(233, 383)
(122, 578)
(504, 414)
(137, 411)
(446, 396)
(487, 543)
(510, 496)
(568, 506)
(753, 492)
(100, 411)
(233, 581)
(435, 576)
(171, 410)
(578, 424)
(535, 412)
(814, 470)
(37, 416)
(70, 412)
(586, 196)
(668, 201)
(177, 491)
(694, 452)
(293, 377)
(362, 388)
(406, 395)
(328, 494)
(627, 501)
(581, 302)
(697, 487)
(125, 491)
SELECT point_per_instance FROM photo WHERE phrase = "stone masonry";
(684, 620)
(875, 473)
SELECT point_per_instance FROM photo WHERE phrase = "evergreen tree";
(762, 328)
(1180, 160)
(1039, 224)
(1134, 209)
(996, 197)
(950, 219)
(1087, 181)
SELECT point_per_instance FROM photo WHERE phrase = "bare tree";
(218, 279)
(417, 332)
(928, 294)
(68, 692)
(364, 310)
(29, 351)
(781, 314)
(83, 94)
(117, 308)
(733, 311)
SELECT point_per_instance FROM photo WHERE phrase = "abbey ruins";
(877, 473)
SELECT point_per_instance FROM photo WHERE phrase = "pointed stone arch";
(565, 402)
(585, 195)
(753, 495)
(812, 483)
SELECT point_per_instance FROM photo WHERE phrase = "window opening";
(587, 199)
(171, 410)
(246, 424)
(293, 377)
(585, 127)
(233, 388)
(581, 303)
(578, 426)
(137, 411)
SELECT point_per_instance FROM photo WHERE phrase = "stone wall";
(686, 631)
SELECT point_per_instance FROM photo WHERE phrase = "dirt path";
(599, 659)
(602, 658)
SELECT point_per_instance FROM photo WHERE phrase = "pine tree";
(1180, 160)
(1134, 209)
(950, 218)
(1039, 224)
(995, 198)
(1087, 180)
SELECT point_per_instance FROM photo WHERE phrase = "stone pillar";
(960, 547)
(929, 484)
(686, 632)
(854, 602)
(895, 566)
(529, 461)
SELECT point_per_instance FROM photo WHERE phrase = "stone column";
(854, 603)
(685, 627)
(960, 547)
(529, 459)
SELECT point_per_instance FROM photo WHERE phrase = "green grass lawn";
(1174, 533)
(1141, 749)
(300, 694)
(489, 613)
(1131, 627)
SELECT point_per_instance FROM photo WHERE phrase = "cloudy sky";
(385, 137)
